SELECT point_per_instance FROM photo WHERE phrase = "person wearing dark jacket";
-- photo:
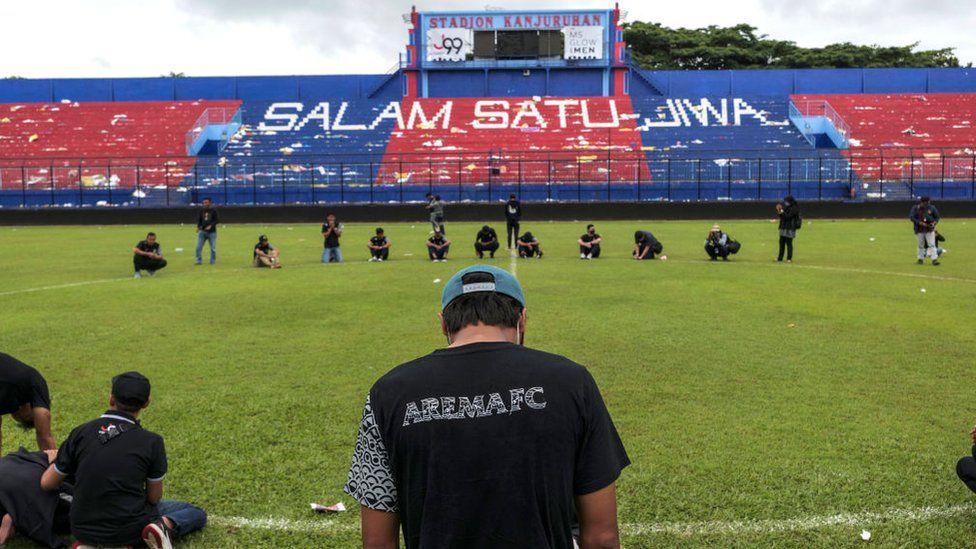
(513, 214)
(966, 468)
(646, 246)
(485, 241)
(207, 231)
(925, 217)
(26, 509)
(528, 246)
(717, 244)
(789, 222)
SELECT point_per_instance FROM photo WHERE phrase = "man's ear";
(440, 316)
(111, 401)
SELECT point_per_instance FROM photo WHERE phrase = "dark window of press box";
(518, 44)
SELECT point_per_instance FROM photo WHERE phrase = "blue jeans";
(334, 254)
(202, 237)
(186, 518)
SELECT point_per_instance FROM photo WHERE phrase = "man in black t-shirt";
(331, 232)
(528, 246)
(513, 214)
(379, 246)
(148, 256)
(646, 246)
(25, 508)
(266, 255)
(437, 247)
(207, 231)
(24, 395)
(486, 241)
(589, 243)
(486, 443)
(118, 469)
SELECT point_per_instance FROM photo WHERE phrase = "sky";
(128, 38)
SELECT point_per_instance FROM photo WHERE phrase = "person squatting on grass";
(148, 256)
(789, 222)
(118, 468)
(486, 443)
(646, 246)
(331, 232)
(589, 243)
(925, 217)
(266, 255)
(966, 468)
(37, 515)
(513, 214)
(528, 246)
(486, 241)
(438, 247)
(24, 395)
(207, 231)
(379, 246)
(718, 244)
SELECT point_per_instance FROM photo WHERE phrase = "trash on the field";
(664, 258)
(791, 325)
(871, 239)
(437, 280)
(923, 290)
(408, 255)
(290, 229)
(865, 535)
(177, 249)
(337, 508)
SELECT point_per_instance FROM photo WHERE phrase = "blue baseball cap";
(500, 281)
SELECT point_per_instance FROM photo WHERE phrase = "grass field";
(762, 404)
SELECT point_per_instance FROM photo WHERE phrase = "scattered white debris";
(437, 281)
(664, 258)
(923, 290)
(177, 249)
(871, 239)
(865, 535)
(337, 508)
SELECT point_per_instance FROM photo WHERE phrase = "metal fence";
(576, 177)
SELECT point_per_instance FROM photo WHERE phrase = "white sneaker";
(137, 275)
(582, 256)
(372, 259)
(156, 537)
(379, 259)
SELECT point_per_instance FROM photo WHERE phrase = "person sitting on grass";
(266, 255)
(437, 247)
(24, 395)
(486, 241)
(379, 246)
(118, 469)
(646, 246)
(589, 243)
(966, 468)
(528, 246)
(39, 516)
(717, 244)
(147, 256)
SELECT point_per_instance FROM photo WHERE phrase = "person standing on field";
(513, 215)
(789, 223)
(925, 217)
(486, 443)
(436, 208)
(207, 231)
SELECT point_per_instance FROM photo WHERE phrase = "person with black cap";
(147, 256)
(513, 214)
(379, 246)
(486, 442)
(528, 246)
(486, 241)
(24, 395)
(646, 245)
(118, 468)
(266, 255)
(437, 247)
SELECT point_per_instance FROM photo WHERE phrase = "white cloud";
(117, 38)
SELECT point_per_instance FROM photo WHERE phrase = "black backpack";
(734, 246)
(797, 222)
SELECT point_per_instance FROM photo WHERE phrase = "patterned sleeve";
(370, 478)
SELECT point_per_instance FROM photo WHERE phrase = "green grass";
(746, 390)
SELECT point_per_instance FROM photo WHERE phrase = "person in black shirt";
(266, 255)
(379, 246)
(148, 256)
(528, 246)
(207, 231)
(966, 468)
(40, 516)
(717, 244)
(437, 247)
(589, 243)
(118, 469)
(513, 214)
(646, 246)
(486, 241)
(331, 232)
(486, 443)
(789, 223)
(925, 217)
(24, 395)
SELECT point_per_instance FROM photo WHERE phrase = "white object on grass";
(923, 290)
(437, 280)
(337, 508)
(871, 239)
(177, 249)
(664, 258)
(865, 535)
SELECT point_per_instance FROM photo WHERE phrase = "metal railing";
(820, 107)
(577, 177)
(211, 115)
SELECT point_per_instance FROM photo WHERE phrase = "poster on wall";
(449, 44)
(583, 42)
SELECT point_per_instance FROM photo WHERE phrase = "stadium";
(817, 401)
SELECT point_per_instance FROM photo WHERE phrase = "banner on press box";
(583, 43)
(451, 44)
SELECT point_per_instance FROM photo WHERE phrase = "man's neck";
(135, 415)
(483, 334)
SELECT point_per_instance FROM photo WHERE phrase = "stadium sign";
(515, 21)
